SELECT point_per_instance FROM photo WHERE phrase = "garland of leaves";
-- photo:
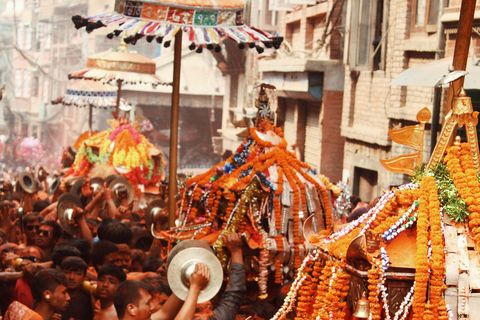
(453, 205)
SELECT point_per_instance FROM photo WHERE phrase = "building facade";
(384, 38)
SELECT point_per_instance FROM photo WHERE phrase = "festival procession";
(231, 159)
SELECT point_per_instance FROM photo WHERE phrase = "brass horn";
(27, 182)
(156, 219)
(362, 311)
(122, 189)
(66, 210)
(181, 263)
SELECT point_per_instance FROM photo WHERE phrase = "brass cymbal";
(181, 267)
(122, 189)
(66, 211)
(77, 186)
(156, 219)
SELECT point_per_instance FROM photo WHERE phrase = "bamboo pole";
(172, 171)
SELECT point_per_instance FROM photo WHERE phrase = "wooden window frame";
(427, 28)
(353, 40)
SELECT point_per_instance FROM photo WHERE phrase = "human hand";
(86, 190)
(199, 277)
(107, 192)
(56, 316)
(78, 213)
(233, 242)
(8, 218)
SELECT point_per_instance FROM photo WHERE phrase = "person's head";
(152, 264)
(83, 245)
(48, 234)
(75, 270)
(40, 205)
(50, 288)
(109, 277)
(32, 253)
(159, 290)
(104, 252)
(138, 257)
(124, 252)
(31, 224)
(114, 231)
(61, 252)
(357, 213)
(354, 200)
(133, 301)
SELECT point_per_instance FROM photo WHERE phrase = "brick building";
(383, 38)
(308, 74)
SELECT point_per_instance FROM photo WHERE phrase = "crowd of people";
(111, 269)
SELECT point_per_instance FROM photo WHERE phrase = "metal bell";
(363, 308)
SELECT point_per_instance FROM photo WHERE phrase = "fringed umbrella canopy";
(206, 22)
(120, 64)
(87, 93)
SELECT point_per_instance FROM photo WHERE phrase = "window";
(28, 38)
(20, 37)
(45, 89)
(18, 83)
(367, 26)
(27, 81)
(425, 15)
(35, 85)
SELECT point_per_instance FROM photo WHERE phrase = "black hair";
(157, 285)
(74, 264)
(100, 249)
(354, 200)
(40, 205)
(56, 229)
(126, 293)
(113, 270)
(137, 255)
(151, 264)
(31, 217)
(115, 231)
(47, 279)
(81, 244)
(63, 251)
(357, 213)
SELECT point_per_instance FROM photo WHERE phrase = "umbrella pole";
(172, 170)
(90, 120)
(462, 44)
(119, 93)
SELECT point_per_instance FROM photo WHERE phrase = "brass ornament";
(362, 310)
(411, 136)
(462, 114)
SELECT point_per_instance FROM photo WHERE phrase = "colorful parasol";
(120, 66)
(89, 93)
(207, 23)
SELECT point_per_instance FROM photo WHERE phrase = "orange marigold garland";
(421, 255)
